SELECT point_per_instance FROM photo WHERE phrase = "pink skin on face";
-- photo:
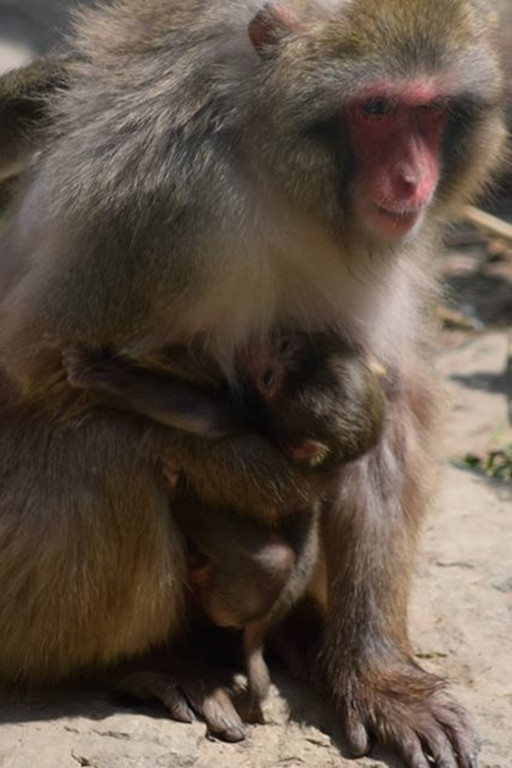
(396, 134)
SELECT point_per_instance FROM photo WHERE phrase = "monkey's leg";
(298, 637)
(381, 693)
(92, 565)
(258, 675)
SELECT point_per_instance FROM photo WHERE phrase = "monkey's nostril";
(408, 182)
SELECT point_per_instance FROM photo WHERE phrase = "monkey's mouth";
(393, 223)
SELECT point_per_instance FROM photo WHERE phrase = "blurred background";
(30, 27)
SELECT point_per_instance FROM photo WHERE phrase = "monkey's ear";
(270, 25)
(22, 111)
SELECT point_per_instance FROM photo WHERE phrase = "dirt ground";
(461, 613)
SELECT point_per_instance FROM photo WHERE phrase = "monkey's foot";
(186, 696)
(408, 713)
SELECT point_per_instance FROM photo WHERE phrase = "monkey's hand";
(310, 453)
(89, 369)
(406, 710)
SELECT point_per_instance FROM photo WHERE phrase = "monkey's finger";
(461, 735)
(358, 740)
(410, 750)
(438, 745)
(222, 719)
(83, 367)
(217, 710)
(466, 759)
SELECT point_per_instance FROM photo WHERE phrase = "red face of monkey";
(395, 136)
(370, 130)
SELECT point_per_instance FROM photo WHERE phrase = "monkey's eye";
(284, 344)
(432, 107)
(375, 108)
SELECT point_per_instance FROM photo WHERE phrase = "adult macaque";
(219, 171)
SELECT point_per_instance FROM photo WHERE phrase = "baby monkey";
(244, 576)
(315, 397)
(312, 394)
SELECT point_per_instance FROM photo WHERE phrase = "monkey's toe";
(213, 705)
(357, 737)
(188, 695)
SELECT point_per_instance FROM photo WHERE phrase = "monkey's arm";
(243, 470)
(370, 538)
(247, 473)
(149, 393)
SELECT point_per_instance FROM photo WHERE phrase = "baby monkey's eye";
(268, 378)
